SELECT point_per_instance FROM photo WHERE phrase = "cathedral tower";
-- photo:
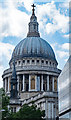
(14, 92)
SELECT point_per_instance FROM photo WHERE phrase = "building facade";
(64, 82)
(36, 74)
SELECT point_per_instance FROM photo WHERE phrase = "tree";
(25, 113)
(4, 99)
(28, 113)
(0, 102)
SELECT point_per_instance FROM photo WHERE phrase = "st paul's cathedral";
(33, 73)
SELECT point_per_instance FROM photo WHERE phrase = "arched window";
(55, 84)
(32, 82)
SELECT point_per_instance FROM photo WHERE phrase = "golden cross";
(33, 9)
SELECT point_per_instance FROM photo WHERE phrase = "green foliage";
(0, 98)
(28, 113)
(25, 113)
(5, 102)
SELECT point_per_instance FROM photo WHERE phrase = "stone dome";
(33, 47)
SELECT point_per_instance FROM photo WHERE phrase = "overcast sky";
(53, 18)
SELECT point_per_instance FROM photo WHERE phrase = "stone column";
(55, 109)
(41, 82)
(23, 83)
(52, 110)
(49, 110)
(36, 83)
(18, 83)
(29, 82)
(5, 84)
(46, 109)
(8, 84)
(47, 82)
(57, 84)
(53, 83)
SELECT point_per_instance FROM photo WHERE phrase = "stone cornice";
(21, 70)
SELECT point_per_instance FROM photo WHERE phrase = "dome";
(33, 47)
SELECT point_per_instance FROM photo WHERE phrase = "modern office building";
(64, 83)
(33, 73)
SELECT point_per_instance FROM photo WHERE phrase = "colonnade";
(39, 83)
(6, 84)
(51, 109)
